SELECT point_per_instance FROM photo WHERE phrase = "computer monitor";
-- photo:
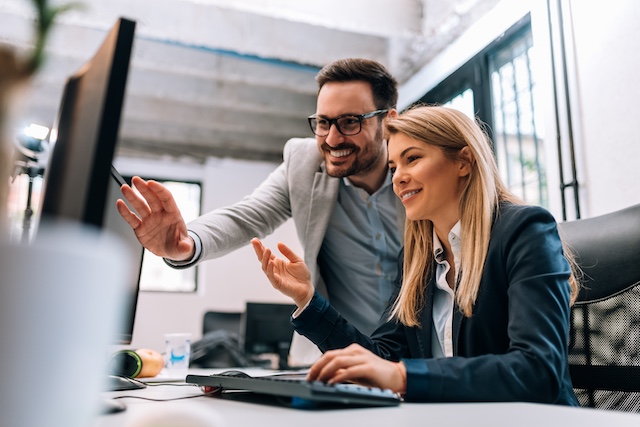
(115, 224)
(78, 181)
(267, 329)
(78, 185)
(85, 133)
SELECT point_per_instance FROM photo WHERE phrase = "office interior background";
(217, 87)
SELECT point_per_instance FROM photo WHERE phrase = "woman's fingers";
(340, 368)
(331, 361)
(357, 364)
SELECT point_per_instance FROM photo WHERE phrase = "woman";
(481, 310)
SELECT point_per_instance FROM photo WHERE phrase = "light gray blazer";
(300, 189)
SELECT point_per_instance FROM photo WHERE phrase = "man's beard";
(365, 160)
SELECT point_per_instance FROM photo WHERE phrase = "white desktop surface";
(232, 413)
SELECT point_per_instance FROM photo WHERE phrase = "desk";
(233, 413)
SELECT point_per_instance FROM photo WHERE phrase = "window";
(463, 102)
(516, 130)
(498, 87)
(156, 276)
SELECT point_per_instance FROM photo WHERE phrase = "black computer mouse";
(235, 373)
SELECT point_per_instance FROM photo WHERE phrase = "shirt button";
(378, 236)
(369, 205)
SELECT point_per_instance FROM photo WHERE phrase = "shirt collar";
(454, 240)
(387, 182)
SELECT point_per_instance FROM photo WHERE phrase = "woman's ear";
(466, 159)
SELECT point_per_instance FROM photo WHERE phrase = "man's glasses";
(347, 125)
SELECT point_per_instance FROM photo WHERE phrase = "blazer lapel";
(322, 201)
(424, 333)
(458, 318)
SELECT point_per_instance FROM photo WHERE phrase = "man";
(337, 190)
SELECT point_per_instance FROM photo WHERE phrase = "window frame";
(474, 74)
(147, 252)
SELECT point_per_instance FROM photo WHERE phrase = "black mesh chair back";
(604, 347)
(221, 320)
(221, 343)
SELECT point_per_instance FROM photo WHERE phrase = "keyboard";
(298, 389)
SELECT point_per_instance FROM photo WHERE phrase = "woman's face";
(428, 184)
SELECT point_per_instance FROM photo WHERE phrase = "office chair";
(227, 321)
(221, 343)
(604, 347)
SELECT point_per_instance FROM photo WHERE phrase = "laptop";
(296, 390)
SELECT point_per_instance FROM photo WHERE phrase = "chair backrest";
(221, 343)
(604, 348)
(227, 321)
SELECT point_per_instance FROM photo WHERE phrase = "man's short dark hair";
(383, 84)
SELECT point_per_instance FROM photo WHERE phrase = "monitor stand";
(283, 355)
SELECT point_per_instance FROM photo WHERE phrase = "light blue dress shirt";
(359, 256)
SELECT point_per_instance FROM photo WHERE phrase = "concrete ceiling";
(231, 78)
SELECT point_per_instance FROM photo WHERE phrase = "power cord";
(205, 392)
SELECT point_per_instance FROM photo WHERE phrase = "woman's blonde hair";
(451, 130)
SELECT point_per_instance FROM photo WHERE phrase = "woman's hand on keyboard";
(290, 276)
(357, 364)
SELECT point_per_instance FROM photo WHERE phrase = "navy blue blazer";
(514, 346)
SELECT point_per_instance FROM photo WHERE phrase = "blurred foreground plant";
(16, 71)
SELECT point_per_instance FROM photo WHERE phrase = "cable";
(208, 393)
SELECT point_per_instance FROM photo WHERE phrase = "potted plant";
(16, 72)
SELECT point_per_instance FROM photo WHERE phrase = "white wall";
(224, 284)
(606, 46)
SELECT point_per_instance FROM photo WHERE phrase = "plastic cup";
(177, 354)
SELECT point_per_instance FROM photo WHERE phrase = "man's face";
(354, 154)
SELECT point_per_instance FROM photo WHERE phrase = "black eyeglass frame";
(334, 121)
